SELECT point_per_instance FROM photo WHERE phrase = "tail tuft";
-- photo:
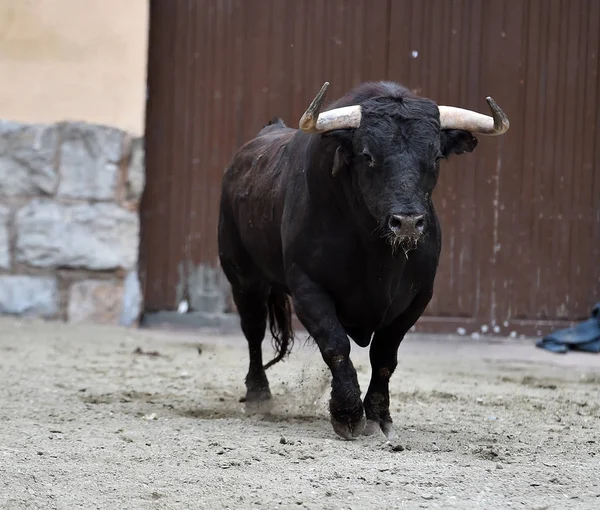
(280, 324)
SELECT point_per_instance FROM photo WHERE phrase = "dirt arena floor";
(94, 417)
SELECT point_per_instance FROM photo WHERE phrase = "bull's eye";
(368, 157)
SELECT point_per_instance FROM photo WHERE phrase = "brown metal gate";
(521, 216)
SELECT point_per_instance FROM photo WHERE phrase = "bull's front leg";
(384, 359)
(316, 311)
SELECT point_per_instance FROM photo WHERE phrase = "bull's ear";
(340, 160)
(342, 140)
(456, 141)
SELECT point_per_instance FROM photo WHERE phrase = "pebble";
(499, 466)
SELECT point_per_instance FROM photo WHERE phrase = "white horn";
(467, 120)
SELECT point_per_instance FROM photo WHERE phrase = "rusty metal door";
(520, 216)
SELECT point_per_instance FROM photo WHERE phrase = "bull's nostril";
(395, 222)
(420, 224)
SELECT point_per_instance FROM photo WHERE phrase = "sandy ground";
(85, 422)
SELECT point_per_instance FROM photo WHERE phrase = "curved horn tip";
(309, 118)
(321, 94)
(318, 100)
(500, 118)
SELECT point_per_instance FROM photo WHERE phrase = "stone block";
(28, 295)
(89, 159)
(28, 156)
(4, 238)
(205, 287)
(95, 301)
(136, 172)
(99, 236)
(132, 299)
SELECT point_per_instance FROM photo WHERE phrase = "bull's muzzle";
(407, 226)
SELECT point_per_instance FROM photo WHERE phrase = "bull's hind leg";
(250, 294)
(252, 308)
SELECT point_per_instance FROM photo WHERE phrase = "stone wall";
(69, 223)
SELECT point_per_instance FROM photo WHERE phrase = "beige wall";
(74, 60)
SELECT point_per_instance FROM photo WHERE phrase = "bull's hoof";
(259, 407)
(388, 430)
(387, 427)
(347, 414)
(258, 402)
(349, 430)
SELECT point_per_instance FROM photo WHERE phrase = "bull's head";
(392, 145)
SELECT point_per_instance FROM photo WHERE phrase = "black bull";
(338, 215)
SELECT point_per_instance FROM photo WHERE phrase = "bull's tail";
(280, 324)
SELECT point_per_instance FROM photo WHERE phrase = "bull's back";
(253, 199)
